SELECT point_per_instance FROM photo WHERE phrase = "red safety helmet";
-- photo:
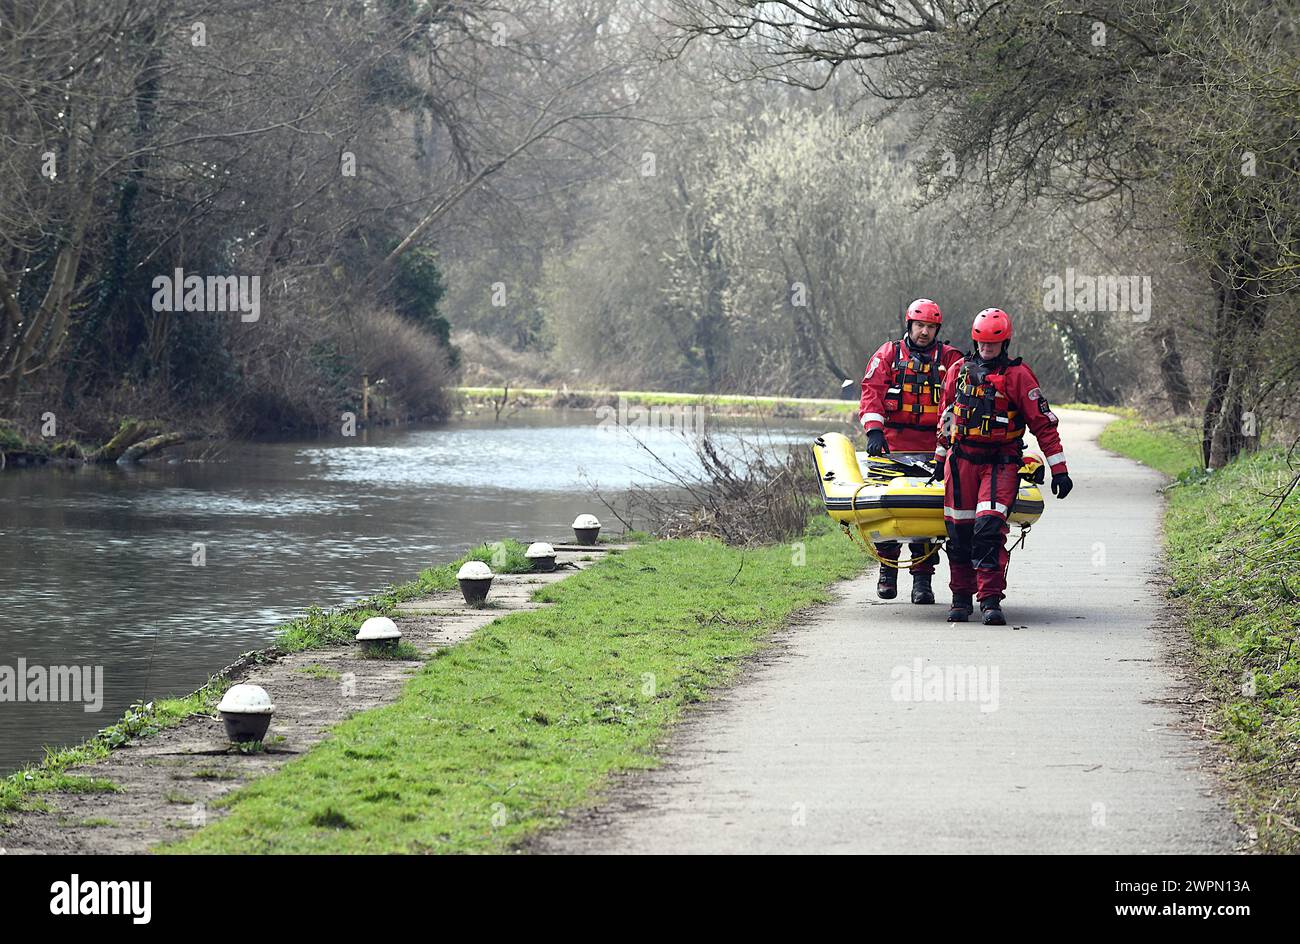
(924, 310)
(992, 325)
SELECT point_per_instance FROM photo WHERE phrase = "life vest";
(981, 413)
(912, 402)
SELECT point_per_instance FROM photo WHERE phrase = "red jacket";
(1017, 392)
(885, 406)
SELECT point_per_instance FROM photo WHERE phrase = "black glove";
(1061, 484)
(937, 475)
(876, 442)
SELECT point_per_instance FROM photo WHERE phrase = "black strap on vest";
(979, 411)
(989, 453)
(934, 384)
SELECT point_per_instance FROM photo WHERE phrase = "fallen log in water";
(139, 450)
(128, 434)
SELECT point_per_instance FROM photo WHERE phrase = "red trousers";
(977, 497)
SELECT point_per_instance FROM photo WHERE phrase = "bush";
(301, 370)
(752, 494)
(409, 364)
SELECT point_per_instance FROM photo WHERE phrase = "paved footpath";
(1069, 740)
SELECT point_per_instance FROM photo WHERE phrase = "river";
(160, 574)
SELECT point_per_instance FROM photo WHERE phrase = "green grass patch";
(1125, 411)
(495, 738)
(741, 403)
(1234, 567)
(319, 672)
(1233, 564)
(93, 822)
(1172, 447)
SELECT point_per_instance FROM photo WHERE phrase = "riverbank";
(493, 738)
(640, 403)
(132, 424)
(631, 408)
(687, 411)
(1230, 561)
(317, 628)
(233, 545)
(504, 399)
(21, 447)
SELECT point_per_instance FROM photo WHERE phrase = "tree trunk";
(1089, 385)
(810, 343)
(130, 433)
(817, 321)
(1225, 436)
(1239, 315)
(710, 333)
(143, 448)
(1220, 368)
(148, 82)
(1172, 374)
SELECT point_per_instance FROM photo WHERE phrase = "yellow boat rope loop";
(934, 547)
(871, 548)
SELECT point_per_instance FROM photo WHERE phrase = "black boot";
(991, 607)
(887, 585)
(962, 607)
(921, 591)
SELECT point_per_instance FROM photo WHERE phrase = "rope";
(871, 548)
(901, 564)
(856, 537)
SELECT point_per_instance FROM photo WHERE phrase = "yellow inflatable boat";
(895, 502)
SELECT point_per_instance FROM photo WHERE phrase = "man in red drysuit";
(900, 413)
(988, 402)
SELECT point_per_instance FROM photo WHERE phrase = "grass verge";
(498, 736)
(1125, 411)
(1171, 446)
(1229, 562)
(793, 406)
(762, 405)
(314, 629)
